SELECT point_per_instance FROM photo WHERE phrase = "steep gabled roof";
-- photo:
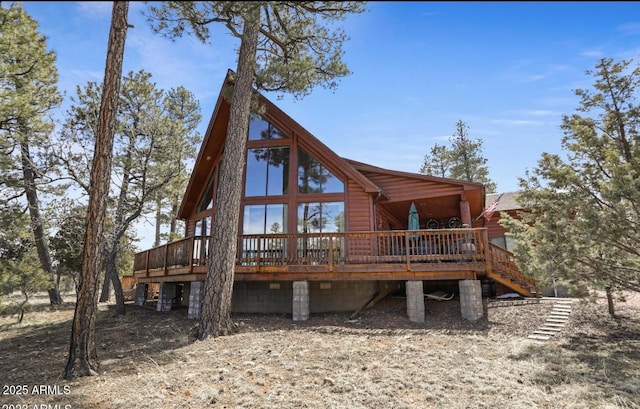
(215, 135)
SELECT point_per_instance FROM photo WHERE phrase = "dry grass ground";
(380, 360)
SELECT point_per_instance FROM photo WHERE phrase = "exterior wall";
(359, 208)
(495, 230)
(189, 226)
(277, 297)
(359, 218)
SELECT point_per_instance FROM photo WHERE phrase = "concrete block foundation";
(165, 296)
(415, 301)
(324, 296)
(141, 294)
(471, 305)
(300, 300)
(195, 299)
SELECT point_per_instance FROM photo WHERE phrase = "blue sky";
(507, 69)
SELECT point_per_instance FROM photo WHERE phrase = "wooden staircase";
(504, 270)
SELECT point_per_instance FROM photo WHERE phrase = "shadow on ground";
(37, 353)
(596, 350)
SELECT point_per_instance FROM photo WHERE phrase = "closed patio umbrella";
(414, 224)
(414, 219)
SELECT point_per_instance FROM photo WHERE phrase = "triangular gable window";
(313, 177)
(261, 129)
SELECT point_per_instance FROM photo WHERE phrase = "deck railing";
(397, 246)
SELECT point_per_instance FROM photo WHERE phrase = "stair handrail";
(502, 259)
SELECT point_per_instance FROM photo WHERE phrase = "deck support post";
(465, 212)
(300, 300)
(195, 300)
(471, 305)
(165, 296)
(415, 301)
(141, 294)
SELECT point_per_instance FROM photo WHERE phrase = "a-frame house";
(318, 232)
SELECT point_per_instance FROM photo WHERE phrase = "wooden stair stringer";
(505, 271)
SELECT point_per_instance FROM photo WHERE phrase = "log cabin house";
(318, 232)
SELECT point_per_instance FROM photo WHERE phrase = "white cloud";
(517, 122)
(629, 28)
(95, 9)
(591, 53)
(538, 112)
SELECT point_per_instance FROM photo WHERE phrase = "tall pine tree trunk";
(112, 276)
(31, 192)
(118, 229)
(105, 293)
(173, 227)
(83, 357)
(156, 242)
(610, 305)
(215, 319)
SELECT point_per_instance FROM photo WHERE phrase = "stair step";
(542, 332)
(554, 324)
(548, 328)
(539, 337)
(559, 314)
(558, 320)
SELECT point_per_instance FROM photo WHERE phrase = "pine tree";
(20, 270)
(155, 136)
(584, 219)
(83, 357)
(463, 160)
(29, 92)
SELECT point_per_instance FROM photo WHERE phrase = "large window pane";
(313, 177)
(259, 129)
(206, 201)
(261, 219)
(256, 179)
(276, 218)
(333, 217)
(278, 171)
(267, 171)
(309, 220)
(253, 219)
(264, 219)
(203, 227)
(321, 217)
(201, 246)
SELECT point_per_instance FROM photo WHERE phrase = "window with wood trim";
(321, 217)
(261, 130)
(314, 177)
(267, 171)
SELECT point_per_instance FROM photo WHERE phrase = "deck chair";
(439, 295)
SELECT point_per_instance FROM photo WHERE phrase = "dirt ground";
(380, 360)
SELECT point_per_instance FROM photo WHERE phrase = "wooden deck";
(443, 254)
